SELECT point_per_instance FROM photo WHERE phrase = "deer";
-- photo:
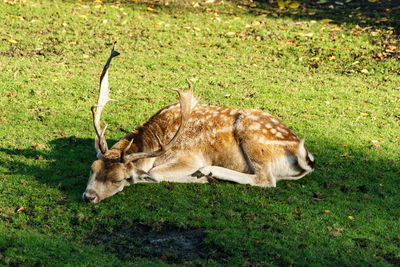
(187, 142)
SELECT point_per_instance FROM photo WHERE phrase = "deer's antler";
(101, 102)
(187, 103)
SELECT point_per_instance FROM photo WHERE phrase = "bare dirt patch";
(168, 243)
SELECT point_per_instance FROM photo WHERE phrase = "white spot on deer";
(282, 130)
(273, 130)
(274, 120)
(176, 115)
(255, 126)
(233, 111)
(266, 114)
(264, 131)
(253, 117)
(279, 135)
(268, 125)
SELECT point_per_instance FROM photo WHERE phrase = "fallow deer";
(188, 142)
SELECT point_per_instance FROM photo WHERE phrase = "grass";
(335, 82)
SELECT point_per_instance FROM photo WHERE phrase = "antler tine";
(186, 102)
(101, 102)
(190, 85)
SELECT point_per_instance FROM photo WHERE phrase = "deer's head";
(114, 169)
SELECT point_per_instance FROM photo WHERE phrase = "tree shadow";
(375, 14)
(365, 13)
(66, 166)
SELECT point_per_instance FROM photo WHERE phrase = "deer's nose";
(89, 196)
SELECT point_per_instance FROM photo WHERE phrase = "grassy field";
(330, 71)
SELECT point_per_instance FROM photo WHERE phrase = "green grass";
(336, 83)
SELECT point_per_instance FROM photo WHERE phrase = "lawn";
(330, 71)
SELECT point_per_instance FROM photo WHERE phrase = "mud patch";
(169, 242)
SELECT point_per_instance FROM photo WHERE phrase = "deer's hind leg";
(258, 158)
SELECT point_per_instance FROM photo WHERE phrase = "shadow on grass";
(66, 166)
(364, 13)
(375, 14)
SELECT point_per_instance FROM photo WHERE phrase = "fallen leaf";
(12, 41)
(246, 262)
(336, 233)
(281, 4)
(365, 71)
(12, 94)
(327, 211)
(230, 34)
(294, 5)
(362, 114)
(227, 96)
(21, 209)
(375, 147)
(255, 23)
(163, 258)
(351, 217)
(326, 20)
(310, 34)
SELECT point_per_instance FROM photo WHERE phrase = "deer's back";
(216, 135)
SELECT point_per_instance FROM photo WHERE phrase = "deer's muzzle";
(90, 196)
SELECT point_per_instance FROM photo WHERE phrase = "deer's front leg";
(225, 175)
(179, 172)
